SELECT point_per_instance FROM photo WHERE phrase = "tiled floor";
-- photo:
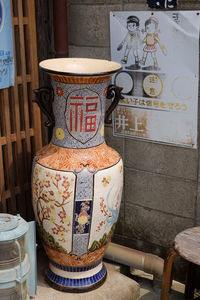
(130, 292)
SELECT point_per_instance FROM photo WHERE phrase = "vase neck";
(79, 111)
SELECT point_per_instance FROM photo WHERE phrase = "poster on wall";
(7, 72)
(159, 53)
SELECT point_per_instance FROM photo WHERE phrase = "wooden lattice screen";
(20, 124)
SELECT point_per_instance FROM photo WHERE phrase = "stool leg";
(190, 281)
(171, 255)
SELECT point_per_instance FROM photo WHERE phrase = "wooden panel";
(45, 42)
(20, 123)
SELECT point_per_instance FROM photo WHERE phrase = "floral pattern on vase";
(53, 195)
(108, 186)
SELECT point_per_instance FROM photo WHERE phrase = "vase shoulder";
(66, 159)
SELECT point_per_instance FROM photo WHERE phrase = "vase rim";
(79, 66)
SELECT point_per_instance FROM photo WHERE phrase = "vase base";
(75, 285)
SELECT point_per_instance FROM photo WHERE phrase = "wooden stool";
(186, 245)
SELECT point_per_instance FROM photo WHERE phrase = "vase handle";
(113, 92)
(44, 98)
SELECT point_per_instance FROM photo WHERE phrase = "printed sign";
(159, 52)
(7, 72)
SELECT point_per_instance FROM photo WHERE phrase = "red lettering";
(92, 98)
(76, 105)
(76, 98)
(81, 121)
(90, 123)
(91, 107)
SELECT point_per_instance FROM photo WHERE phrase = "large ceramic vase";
(77, 179)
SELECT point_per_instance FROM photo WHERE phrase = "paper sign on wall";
(159, 52)
(7, 72)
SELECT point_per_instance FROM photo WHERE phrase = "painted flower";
(62, 234)
(53, 211)
(46, 213)
(51, 196)
(61, 228)
(38, 170)
(59, 91)
(50, 175)
(47, 184)
(100, 225)
(60, 133)
(57, 177)
(42, 182)
(35, 188)
(59, 193)
(66, 194)
(101, 204)
(62, 214)
(54, 230)
(65, 184)
(44, 194)
(52, 219)
(106, 181)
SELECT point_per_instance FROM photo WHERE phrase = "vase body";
(77, 181)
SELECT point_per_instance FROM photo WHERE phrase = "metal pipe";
(146, 262)
(60, 28)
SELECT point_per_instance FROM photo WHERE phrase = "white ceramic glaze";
(80, 66)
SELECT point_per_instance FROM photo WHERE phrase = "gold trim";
(82, 79)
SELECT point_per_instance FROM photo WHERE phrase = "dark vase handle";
(113, 92)
(44, 98)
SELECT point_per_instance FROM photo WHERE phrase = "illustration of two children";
(133, 41)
